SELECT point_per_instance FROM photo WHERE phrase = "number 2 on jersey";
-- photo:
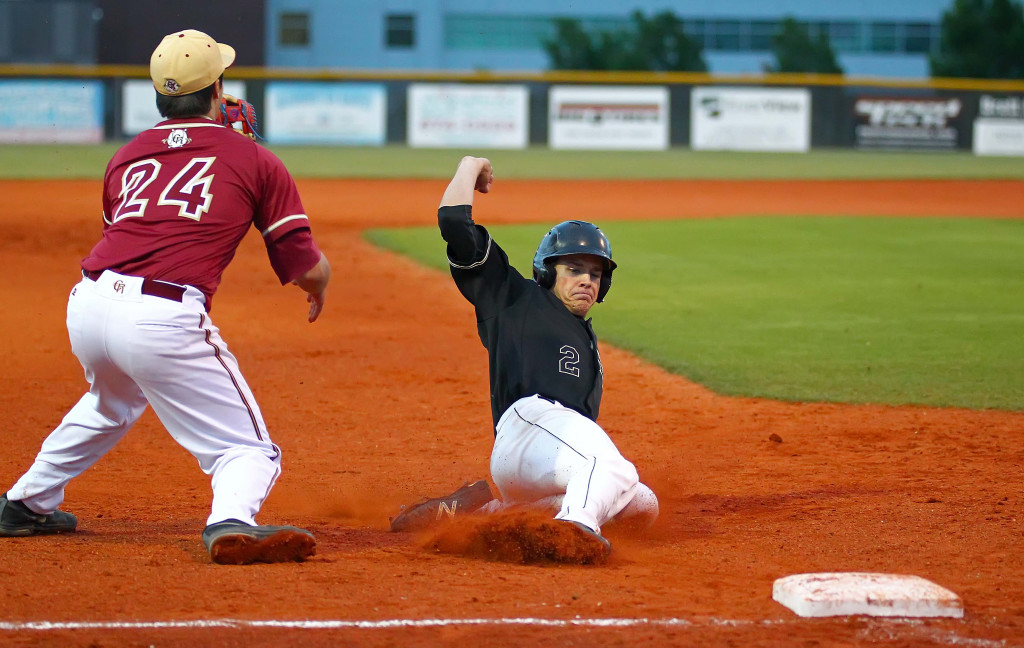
(569, 361)
(189, 190)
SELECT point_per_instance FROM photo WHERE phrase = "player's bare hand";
(314, 282)
(316, 305)
(485, 178)
(473, 174)
(482, 170)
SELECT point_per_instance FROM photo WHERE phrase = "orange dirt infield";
(384, 400)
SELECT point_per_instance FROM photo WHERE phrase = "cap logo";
(170, 85)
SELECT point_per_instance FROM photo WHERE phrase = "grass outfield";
(858, 310)
(33, 161)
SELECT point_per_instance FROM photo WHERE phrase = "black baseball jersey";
(535, 345)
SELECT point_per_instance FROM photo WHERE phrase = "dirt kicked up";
(385, 399)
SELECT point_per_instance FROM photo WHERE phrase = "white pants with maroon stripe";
(140, 349)
(544, 452)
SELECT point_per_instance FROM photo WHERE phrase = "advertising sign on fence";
(311, 112)
(44, 112)
(999, 128)
(608, 117)
(457, 115)
(750, 119)
(138, 104)
(916, 123)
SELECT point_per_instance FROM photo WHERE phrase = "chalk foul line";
(332, 624)
(936, 634)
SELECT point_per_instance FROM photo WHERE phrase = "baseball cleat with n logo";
(437, 510)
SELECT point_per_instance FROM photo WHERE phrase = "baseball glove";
(239, 111)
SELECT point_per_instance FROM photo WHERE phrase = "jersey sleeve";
(478, 265)
(282, 221)
(293, 254)
(279, 209)
(468, 243)
(108, 201)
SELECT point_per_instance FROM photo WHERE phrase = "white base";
(846, 593)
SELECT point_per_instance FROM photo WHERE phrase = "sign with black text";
(608, 117)
(926, 123)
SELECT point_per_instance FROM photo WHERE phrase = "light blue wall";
(350, 33)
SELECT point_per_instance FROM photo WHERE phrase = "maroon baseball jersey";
(179, 198)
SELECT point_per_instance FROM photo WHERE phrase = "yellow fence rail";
(483, 76)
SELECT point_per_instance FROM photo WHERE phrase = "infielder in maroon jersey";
(177, 201)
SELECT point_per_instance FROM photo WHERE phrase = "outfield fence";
(564, 110)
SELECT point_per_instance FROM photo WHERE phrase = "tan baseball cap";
(187, 61)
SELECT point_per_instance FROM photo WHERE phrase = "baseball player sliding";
(177, 201)
(545, 374)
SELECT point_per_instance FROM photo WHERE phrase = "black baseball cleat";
(233, 542)
(466, 500)
(18, 520)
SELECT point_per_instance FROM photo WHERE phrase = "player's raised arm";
(474, 173)
(467, 242)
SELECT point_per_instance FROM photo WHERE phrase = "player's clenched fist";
(473, 173)
(485, 177)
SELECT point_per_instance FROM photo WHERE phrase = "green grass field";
(27, 161)
(870, 310)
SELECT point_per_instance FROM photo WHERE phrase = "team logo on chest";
(178, 138)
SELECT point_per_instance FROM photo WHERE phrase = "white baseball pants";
(544, 450)
(139, 349)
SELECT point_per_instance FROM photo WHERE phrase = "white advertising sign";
(609, 117)
(50, 112)
(999, 128)
(310, 112)
(999, 136)
(750, 119)
(462, 115)
(138, 105)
